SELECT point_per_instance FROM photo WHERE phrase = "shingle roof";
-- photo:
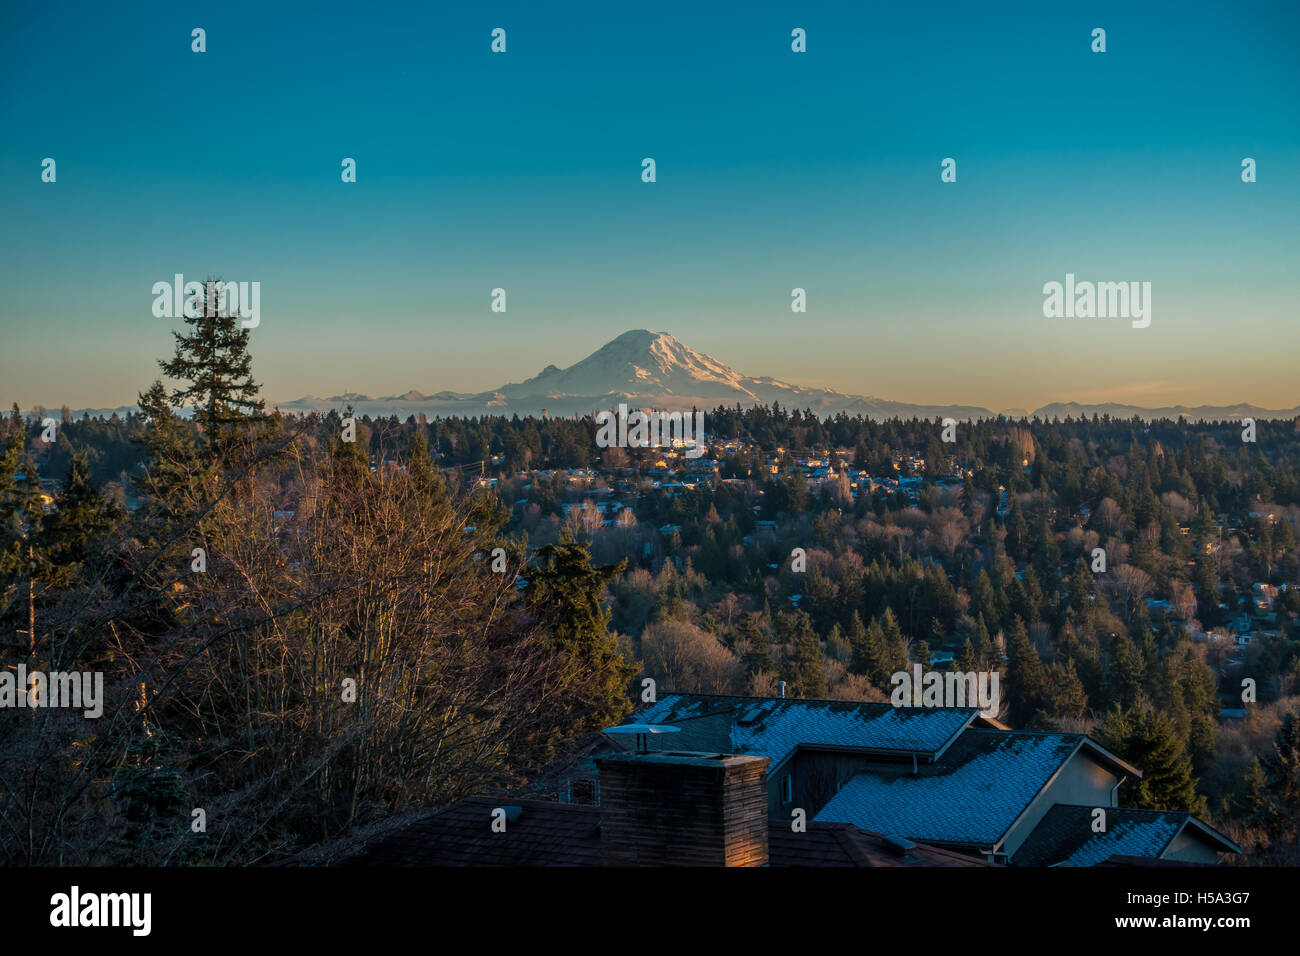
(775, 727)
(842, 844)
(1065, 836)
(557, 834)
(971, 795)
(544, 834)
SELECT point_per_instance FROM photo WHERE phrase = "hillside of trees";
(302, 634)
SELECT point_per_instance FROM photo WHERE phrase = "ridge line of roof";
(1084, 806)
(799, 700)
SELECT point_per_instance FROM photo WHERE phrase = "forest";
(302, 635)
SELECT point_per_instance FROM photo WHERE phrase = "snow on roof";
(1127, 838)
(775, 727)
(1065, 837)
(973, 794)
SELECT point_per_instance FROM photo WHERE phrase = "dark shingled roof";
(544, 834)
(771, 727)
(1065, 836)
(842, 844)
(558, 834)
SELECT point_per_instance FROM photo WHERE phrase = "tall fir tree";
(1124, 679)
(567, 594)
(1146, 738)
(807, 670)
(759, 655)
(1026, 675)
(213, 363)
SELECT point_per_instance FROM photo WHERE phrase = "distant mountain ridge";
(645, 369)
(641, 369)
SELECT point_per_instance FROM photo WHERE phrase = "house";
(876, 785)
(1066, 837)
(946, 777)
(985, 793)
(813, 745)
(1263, 596)
(996, 793)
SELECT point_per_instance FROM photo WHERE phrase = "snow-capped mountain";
(638, 364)
(642, 369)
(646, 369)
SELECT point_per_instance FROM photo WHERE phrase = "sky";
(775, 170)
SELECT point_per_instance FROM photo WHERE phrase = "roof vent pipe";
(780, 689)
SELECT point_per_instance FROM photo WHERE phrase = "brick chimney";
(683, 809)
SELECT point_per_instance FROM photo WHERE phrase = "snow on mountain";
(637, 365)
(645, 369)
(642, 369)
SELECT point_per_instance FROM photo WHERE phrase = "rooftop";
(1065, 836)
(541, 833)
(775, 727)
(971, 795)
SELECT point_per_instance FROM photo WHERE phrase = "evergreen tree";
(985, 651)
(1277, 787)
(567, 594)
(1017, 540)
(81, 515)
(968, 660)
(808, 666)
(213, 362)
(836, 646)
(759, 656)
(1081, 587)
(1146, 738)
(1065, 694)
(893, 648)
(1025, 674)
(921, 653)
(868, 655)
(1125, 677)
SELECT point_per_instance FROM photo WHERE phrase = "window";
(787, 789)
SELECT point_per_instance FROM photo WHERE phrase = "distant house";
(1263, 596)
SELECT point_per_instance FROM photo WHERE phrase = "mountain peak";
(638, 337)
(637, 364)
(647, 369)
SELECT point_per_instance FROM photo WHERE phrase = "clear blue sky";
(775, 170)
